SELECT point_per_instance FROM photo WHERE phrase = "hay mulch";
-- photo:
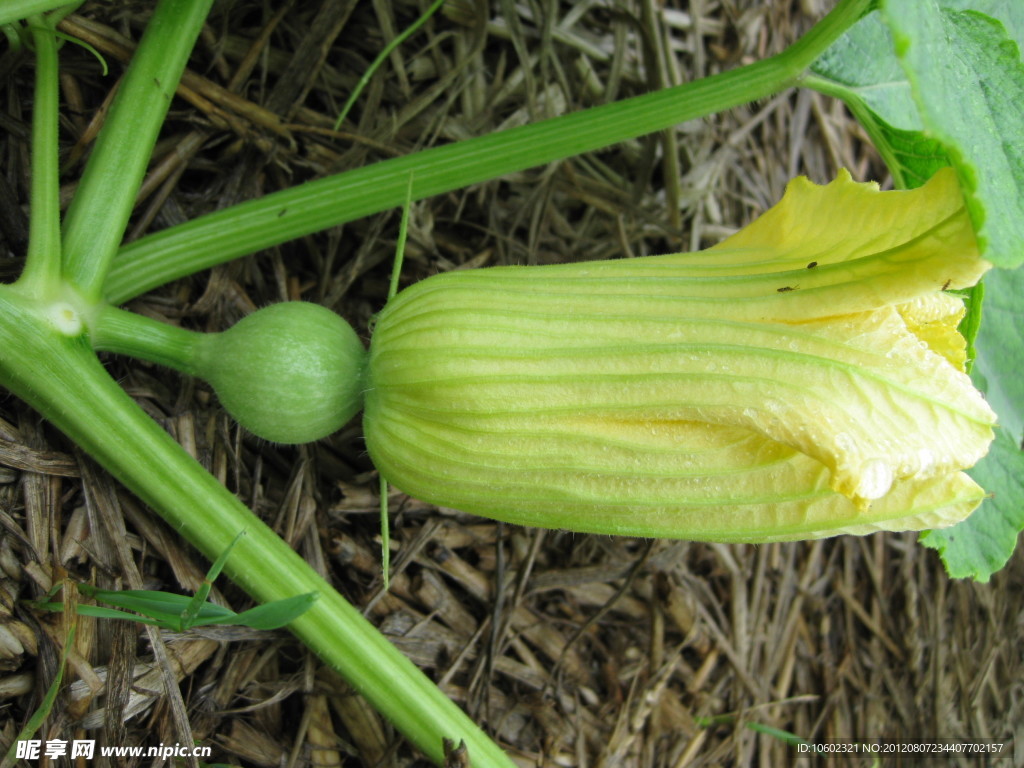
(572, 650)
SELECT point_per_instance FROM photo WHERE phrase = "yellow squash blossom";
(803, 378)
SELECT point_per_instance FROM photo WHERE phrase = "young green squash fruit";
(290, 372)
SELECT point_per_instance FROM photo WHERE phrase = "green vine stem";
(96, 219)
(42, 263)
(126, 333)
(59, 375)
(867, 120)
(13, 10)
(251, 226)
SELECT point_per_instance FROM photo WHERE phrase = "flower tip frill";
(803, 378)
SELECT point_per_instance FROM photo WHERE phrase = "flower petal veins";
(802, 378)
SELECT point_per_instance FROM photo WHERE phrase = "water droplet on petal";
(875, 480)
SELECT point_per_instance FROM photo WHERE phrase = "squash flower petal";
(803, 378)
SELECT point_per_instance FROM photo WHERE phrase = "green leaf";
(1000, 346)
(861, 68)
(911, 157)
(863, 65)
(984, 542)
(953, 95)
(967, 80)
(1009, 12)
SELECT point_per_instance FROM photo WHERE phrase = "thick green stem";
(13, 10)
(42, 265)
(60, 376)
(251, 226)
(103, 202)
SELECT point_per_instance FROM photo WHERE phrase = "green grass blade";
(99, 612)
(380, 59)
(165, 609)
(218, 565)
(396, 273)
(143, 600)
(403, 234)
(273, 615)
(385, 534)
(158, 605)
(195, 606)
(258, 224)
(45, 706)
(777, 733)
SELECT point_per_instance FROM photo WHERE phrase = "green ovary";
(290, 372)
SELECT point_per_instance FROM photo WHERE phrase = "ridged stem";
(42, 262)
(251, 226)
(98, 214)
(127, 333)
(13, 10)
